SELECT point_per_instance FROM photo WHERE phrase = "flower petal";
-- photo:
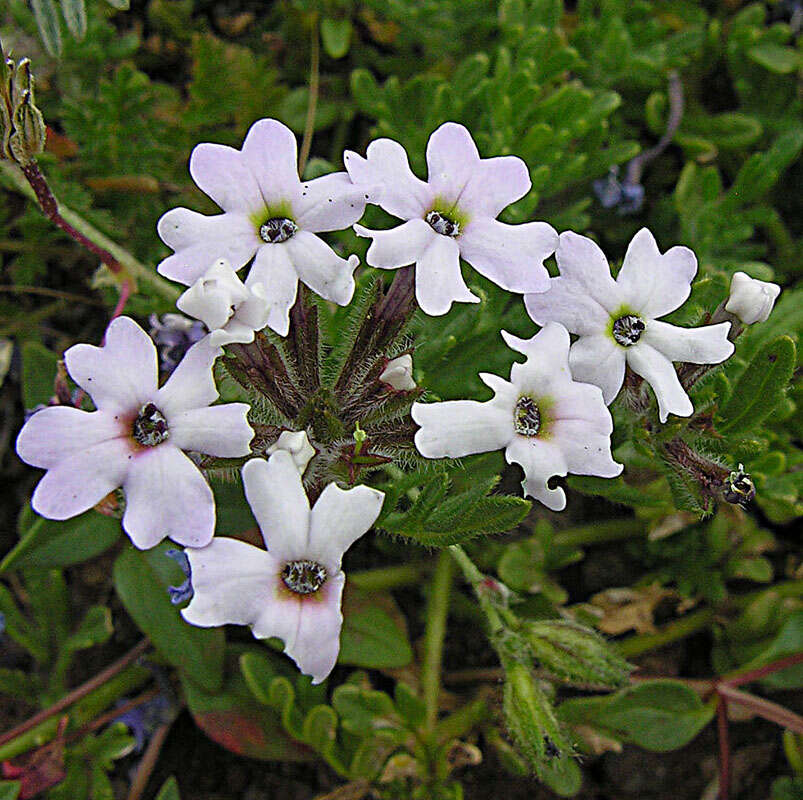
(659, 372)
(166, 495)
(338, 519)
(199, 239)
(330, 203)
(276, 495)
(192, 383)
(512, 256)
(655, 284)
(547, 366)
(79, 481)
(599, 360)
(399, 246)
(221, 431)
(317, 642)
(581, 260)
(583, 402)
(57, 432)
(494, 185)
(274, 271)
(233, 582)
(587, 451)
(438, 280)
(321, 268)
(386, 166)
(540, 461)
(122, 374)
(460, 427)
(707, 344)
(222, 173)
(271, 153)
(567, 301)
(452, 160)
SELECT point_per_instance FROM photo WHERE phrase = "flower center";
(627, 330)
(150, 426)
(527, 417)
(303, 577)
(277, 229)
(442, 224)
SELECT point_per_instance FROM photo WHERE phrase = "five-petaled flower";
(616, 320)
(269, 215)
(451, 215)
(751, 300)
(547, 422)
(136, 438)
(293, 589)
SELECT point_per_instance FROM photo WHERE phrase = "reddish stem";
(764, 708)
(125, 293)
(77, 693)
(110, 716)
(762, 672)
(724, 749)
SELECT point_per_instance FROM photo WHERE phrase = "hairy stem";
(606, 531)
(437, 611)
(374, 580)
(476, 578)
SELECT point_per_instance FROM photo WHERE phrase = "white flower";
(398, 373)
(453, 214)
(296, 443)
(751, 300)
(544, 420)
(293, 589)
(616, 320)
(135, 438)
(269, 215)
(231, 310)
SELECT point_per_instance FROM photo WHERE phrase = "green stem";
(374, 580)
(136, 269)
(312, 104)
(475, 578)
(437, 610)
(606, 531)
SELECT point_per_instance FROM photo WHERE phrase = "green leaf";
(373, 636)
(49, 543)
(775, 57)
(74, 12)
(38, 373)
(122, 5)
(47, 20)
(563, 775)
(169, 790)
(658, 715)
(9, 790)
(141, 580)
(336, 36)
(411, 707)
(16, 683)
(95, 628)
(757, 391)
(787, 642)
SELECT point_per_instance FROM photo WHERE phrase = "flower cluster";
(156, 443)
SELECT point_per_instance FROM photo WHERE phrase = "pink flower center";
(303, 576)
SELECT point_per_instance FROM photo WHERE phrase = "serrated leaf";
(47, 21)
(141, 580)
(660, 715)
(74, 12)
(758, 389)
(49, 543)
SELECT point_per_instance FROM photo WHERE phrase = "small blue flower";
(143, 720)
(626, 197)
(184, 592)
(174, 334)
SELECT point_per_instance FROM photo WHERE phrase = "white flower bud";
(398, 373)
(751, 300)
(298, 445)
(213, 296)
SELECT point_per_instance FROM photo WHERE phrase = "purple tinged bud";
(184, 592)
(174, 334)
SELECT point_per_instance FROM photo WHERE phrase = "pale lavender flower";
(544, 420)
(751, 300)
(174, 334)
(617, 320)
(398, 373)
(136, 439)
(293, 589)
(296, 443)
(453, 215)
(269, 215)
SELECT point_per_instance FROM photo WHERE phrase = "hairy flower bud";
(398, 373)
(575, 654)
(28, 139)
(751, 300)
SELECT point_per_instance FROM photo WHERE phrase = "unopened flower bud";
(213, 296)
(739, 487)
(531, 719)
(28, 139)
(398, 373)
(296, 443)
(751, 300)
(575, 654)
